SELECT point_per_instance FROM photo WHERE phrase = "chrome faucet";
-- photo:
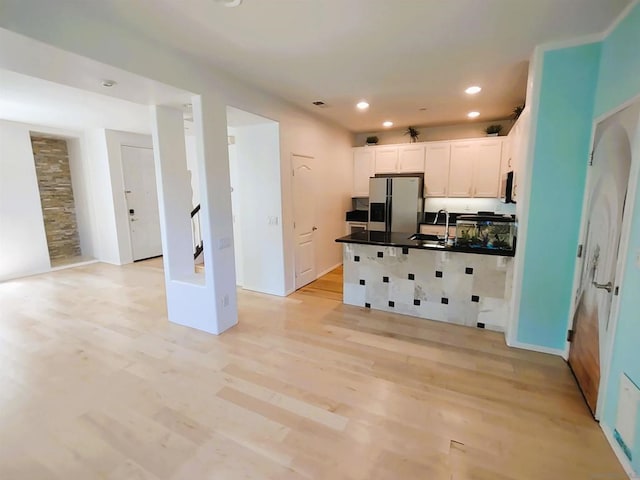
(446, 231)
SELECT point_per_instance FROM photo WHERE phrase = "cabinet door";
(486, 169)
(436, 170)
(386, 159)
(411, 159)
(363, 159)
(461, 169)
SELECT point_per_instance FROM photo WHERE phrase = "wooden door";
(486, 169)
(461, 169)
(386, 159)
(304, 214)
(142, 202)
(436, 170)
(605, 201)
(411, 159)
(363, 162)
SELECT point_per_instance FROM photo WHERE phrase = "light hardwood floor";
(95, 383)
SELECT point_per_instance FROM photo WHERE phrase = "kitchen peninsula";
(397, 272)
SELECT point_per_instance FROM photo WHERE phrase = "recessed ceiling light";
(473, 114)
(229, 3)
(387, 124)
(473, 90)
(109, 83)
(362, 105)
(318, 103)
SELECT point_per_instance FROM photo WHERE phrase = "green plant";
(492, 129)
(413, 133)
(517, 111)
(372, 140)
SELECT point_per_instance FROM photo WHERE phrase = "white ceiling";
(400, 55)
(32, 100)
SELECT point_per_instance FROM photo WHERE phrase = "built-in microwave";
(506, 188)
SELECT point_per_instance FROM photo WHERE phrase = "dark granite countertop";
(392, 239)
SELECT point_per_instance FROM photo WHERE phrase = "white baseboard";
(73, 265)
(622, 458)
(328, 270)
(536, 348)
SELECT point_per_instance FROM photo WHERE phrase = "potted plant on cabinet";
(413, 133)
(493, 130)
(372, 140)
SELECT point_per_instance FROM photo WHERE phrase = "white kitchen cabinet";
(436, 169)
(506, 164)
(411, 158)
(486, 168)
(461, 169)
(363, 169)
(386, 159)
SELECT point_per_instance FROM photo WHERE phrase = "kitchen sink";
(428, 239)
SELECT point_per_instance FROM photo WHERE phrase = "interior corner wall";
(619, 82)
(23, 241)
(79, 165)
(561, 152)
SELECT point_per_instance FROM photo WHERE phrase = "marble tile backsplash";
(462, 288)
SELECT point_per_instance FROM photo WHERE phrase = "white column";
(210, 126)
(191, 301)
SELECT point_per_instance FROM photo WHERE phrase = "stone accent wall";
(455, 287)
(56, 196)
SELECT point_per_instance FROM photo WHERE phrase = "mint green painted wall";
(565, 116)
(619, 81)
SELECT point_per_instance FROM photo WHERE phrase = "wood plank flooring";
(97, 384)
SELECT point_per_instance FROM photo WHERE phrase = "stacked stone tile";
(56, 196)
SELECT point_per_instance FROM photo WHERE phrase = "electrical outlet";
(273, 220)
(225, 300)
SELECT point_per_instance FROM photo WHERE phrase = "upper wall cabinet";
(457, 168)
(411, 158)
(436, 169)
(363, 169)
(461, 169)
(386, 159)
(486, 168)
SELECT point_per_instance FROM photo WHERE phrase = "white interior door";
(304, 219)
(142, 201)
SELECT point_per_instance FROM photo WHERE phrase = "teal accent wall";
(561, 152)
(619, 82)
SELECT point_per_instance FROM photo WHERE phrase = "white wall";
(471, 205)
(258, 161)
(300, 132)
(23, 241)
(192, 166)
(432, 134)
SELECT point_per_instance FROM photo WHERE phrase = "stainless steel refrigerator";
(395, 204)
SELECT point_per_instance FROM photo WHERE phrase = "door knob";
(314, 228)
(604, 286)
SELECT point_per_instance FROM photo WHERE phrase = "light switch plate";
(638, 258)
